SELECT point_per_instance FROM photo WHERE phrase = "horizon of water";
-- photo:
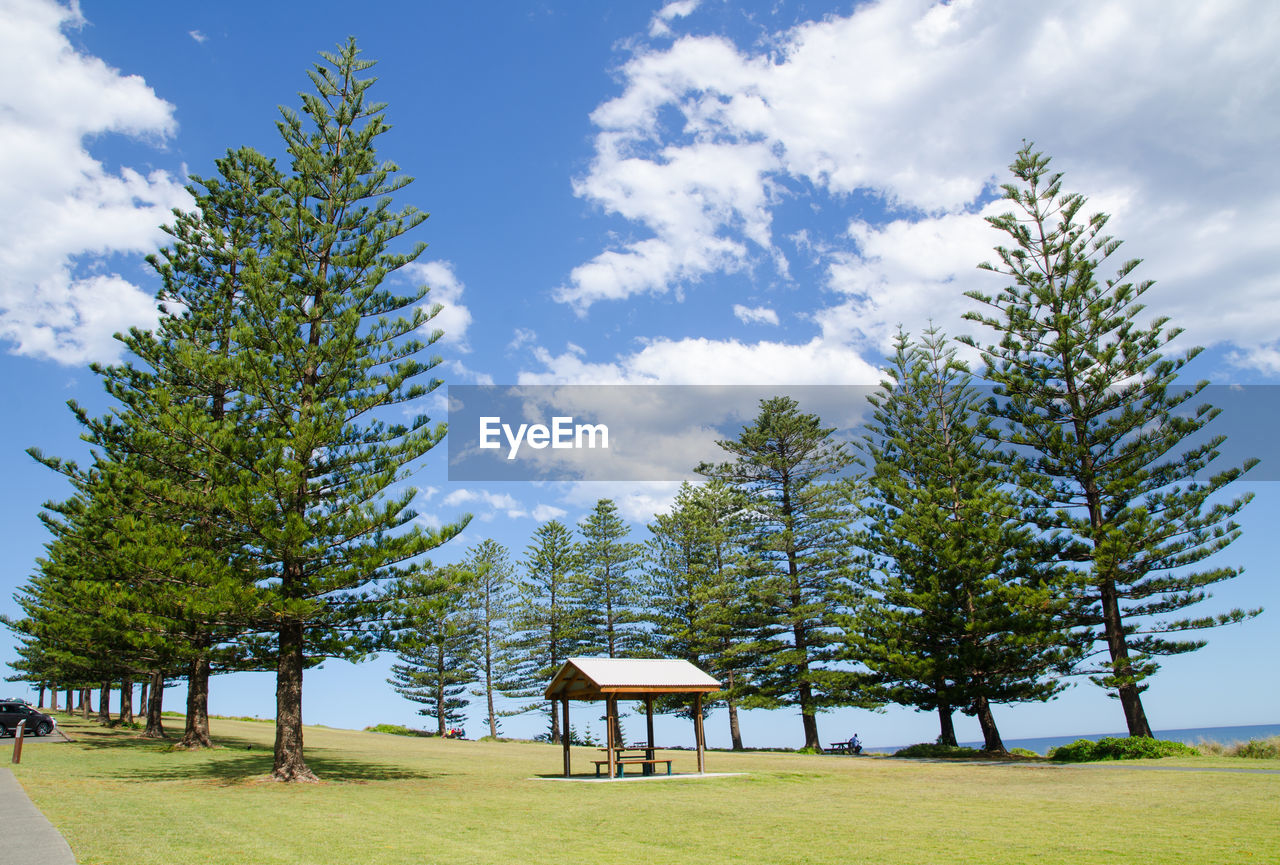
(1190, 735)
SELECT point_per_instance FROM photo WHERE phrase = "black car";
(13, 713)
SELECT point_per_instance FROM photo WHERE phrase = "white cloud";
(446, 290)
(661, 23)
(521, 337)
(637, 502)
(543, 513)
(1162, 112)
(197, 35)
(490, 505)
(710, 361)
(58, 203)
(755, 314)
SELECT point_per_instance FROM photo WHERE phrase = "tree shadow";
(235, 760)
(227, 767)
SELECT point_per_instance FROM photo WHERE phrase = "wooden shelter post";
(564, 736)
(611, 742)
(697, 732)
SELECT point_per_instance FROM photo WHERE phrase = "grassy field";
(392, 799)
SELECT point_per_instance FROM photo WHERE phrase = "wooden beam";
(697, 731)
(564, 736)
(648, 717)
(610, 711)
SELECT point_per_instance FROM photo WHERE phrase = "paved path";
(29, 838)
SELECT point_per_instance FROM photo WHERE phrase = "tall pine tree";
(610, 597)
(325, 350)
(440, 649)
(547, 619)
(785, 466)
(1101, 432)
(492, 599)
(958, 609)
(697, 571)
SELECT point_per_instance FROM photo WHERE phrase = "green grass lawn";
(393, 799)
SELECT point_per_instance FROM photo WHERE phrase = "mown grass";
(391, 799)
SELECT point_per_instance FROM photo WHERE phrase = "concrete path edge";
(28, 835)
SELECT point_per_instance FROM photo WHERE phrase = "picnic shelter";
(639, 679)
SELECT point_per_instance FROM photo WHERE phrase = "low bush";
(1023, 752)
(1129, 748)
(931, 749)
(1257, 749)
(396, 730)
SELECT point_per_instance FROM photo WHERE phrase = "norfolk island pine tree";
(786, 469)
(1099, 433)
(961, 608)
(546, 620)
(696, 573)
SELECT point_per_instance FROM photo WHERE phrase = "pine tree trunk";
(735, 732)
(70, 696)
(126, 700)
(947, 735)
(155, 708)
(196, 734)
(811, 732)
(441, 715)
(289, 763)
(990, 734)
(555, 725)
(40, 699)
(104, 704)
(1113, 628)
(86, 703)
(493, 718)
(144, 696)
(53, 698)
(617, 728)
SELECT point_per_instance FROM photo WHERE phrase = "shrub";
(1129, 748)
(396, 730)
(930, 749)
(1257, 749)
(1023, 752)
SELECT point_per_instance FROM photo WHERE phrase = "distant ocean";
(1223, 735)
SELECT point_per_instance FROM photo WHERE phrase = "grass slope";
(390, 799)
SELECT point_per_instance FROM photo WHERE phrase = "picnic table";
(642, 757)
(842, 748)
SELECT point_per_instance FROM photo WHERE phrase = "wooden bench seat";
(624, 761)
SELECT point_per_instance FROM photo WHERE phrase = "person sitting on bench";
(855, 746)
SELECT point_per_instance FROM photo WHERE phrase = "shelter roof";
(627, 678)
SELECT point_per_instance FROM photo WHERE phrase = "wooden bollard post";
(17, 742)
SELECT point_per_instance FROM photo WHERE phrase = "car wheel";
(4, 731)
(43, 728)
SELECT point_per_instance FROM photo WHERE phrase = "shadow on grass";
(227, 766)
(233, 760)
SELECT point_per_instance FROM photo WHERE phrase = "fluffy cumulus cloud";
(1162, 111)
(489, 505)
(755, 314)
(446, 290)
(661, 23)
(61, 210)
(710, 361)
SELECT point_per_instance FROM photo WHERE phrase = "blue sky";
(696, 193)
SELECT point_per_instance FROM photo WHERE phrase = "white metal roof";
(621, 674)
